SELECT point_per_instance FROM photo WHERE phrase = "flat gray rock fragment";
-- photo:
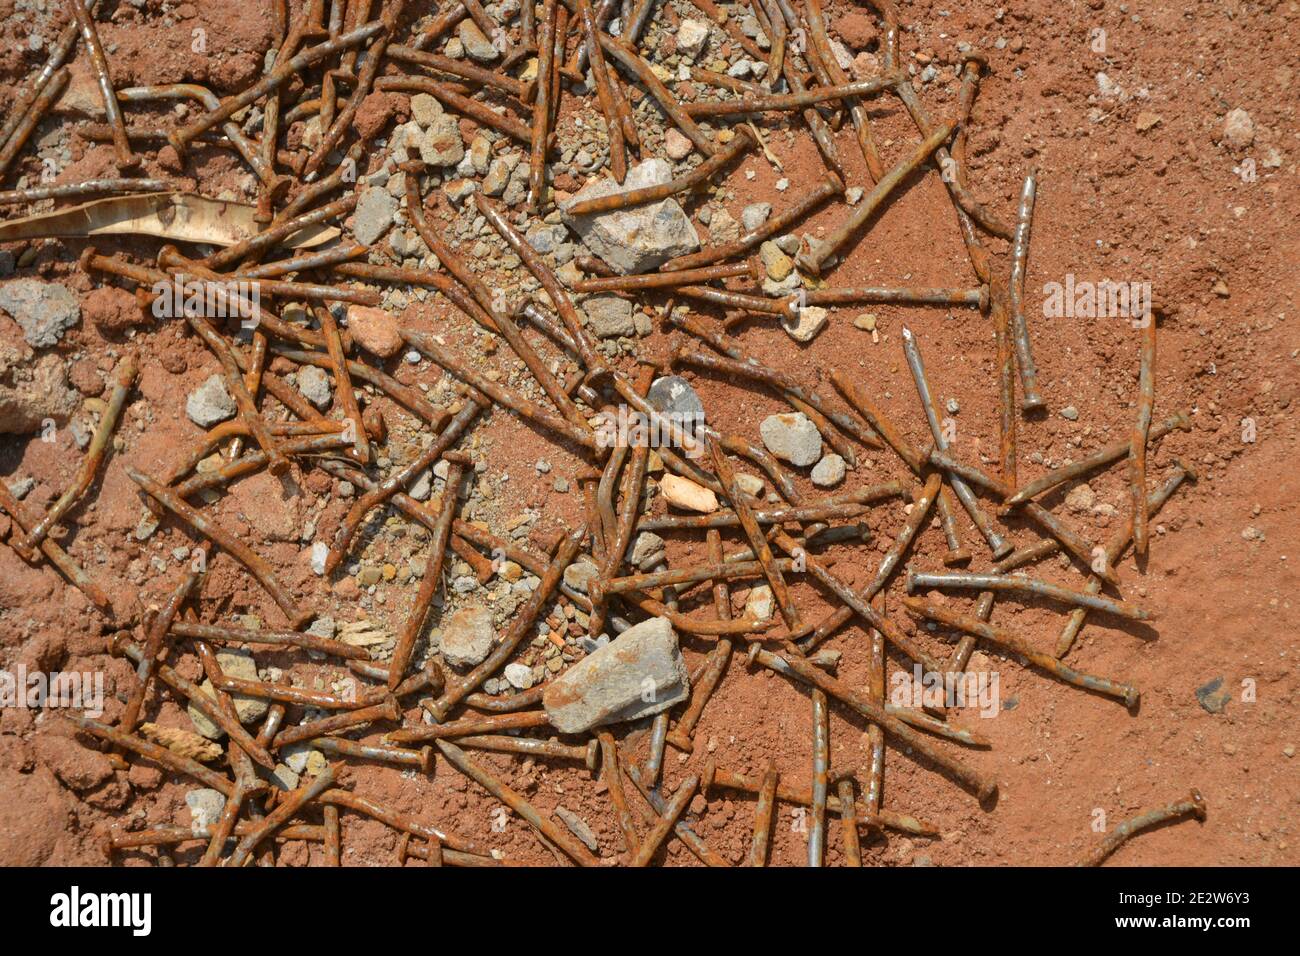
(639, 238)
(639, 673)
(45, 310)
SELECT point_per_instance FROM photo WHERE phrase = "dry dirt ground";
(1139, 181)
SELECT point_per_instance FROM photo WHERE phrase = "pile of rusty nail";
(320, 50)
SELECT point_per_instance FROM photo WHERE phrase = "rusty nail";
(1194, 805)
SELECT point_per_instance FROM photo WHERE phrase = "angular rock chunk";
(467, 637)
(638, 238)
(792, 437)
(639, 673)
(210, 403)
(45, 310)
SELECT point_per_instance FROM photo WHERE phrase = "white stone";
(806, 323)
(828, 472)
(691, 37)
(760, 604)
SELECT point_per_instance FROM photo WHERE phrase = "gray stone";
(673, 396)
(478, 46)
(80, 433)
(579, 573)
(45, 310)
(467, 637)
(314, 383)
(749, 26)
(441, 144)
(754, 215)
(210, 403)
(642, 237)
(423, 485)
(517, 186)
(609, 316)
(639, 673)
(648, 549)
(233, 663)
(546, 239)
(459, 190)
(1070, 413)
(374, 215)
(1212, 698)
(828, 472)
(297, 755)
(323, 626)
(20, 488)
(788, 243)
(284, 777)
(319, 553)
(792, 437)
(205, 807)
(519, 675)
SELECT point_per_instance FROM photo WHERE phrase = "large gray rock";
(45, 310)
(639, 673)
(467, 637)
(210, 403)
(374, 214)
(233, 663)
(639, 238)
(792, 437)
